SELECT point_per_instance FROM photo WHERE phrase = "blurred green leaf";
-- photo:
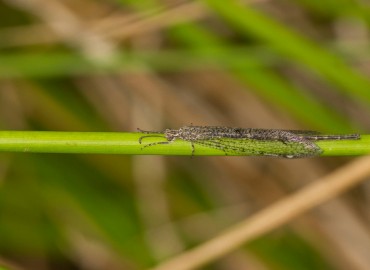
(296, 47)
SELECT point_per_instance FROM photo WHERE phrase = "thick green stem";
(128, 143)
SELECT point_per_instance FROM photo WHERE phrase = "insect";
(249, 141)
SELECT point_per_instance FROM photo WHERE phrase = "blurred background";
(117, 65)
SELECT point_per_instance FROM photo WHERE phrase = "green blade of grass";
(57, 63)
(296, 47)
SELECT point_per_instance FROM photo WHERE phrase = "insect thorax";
(171, 134)
(187, 133)
(190, 133)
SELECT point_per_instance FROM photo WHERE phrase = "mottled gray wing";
(262, 147)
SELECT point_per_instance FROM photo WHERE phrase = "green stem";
(128, 143)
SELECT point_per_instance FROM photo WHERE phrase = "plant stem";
(128, 143)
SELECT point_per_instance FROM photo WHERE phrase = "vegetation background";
(121, 64)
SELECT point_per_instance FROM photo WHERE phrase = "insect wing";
(262, 147)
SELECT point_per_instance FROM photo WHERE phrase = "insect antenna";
(149, 132)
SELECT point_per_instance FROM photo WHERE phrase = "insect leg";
(149, 136)
(151, 144)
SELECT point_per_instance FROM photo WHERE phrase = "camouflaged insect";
(249, 141)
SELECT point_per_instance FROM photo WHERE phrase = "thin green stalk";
(128, 143)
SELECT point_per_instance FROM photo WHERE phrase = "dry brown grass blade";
(283, 211)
